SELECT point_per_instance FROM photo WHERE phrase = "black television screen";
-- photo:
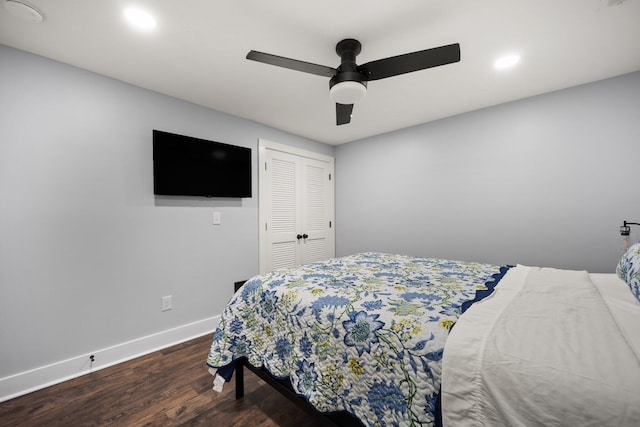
(186, 166)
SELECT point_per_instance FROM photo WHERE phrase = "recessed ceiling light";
(140, 19)
(507, 61)
(23, 11)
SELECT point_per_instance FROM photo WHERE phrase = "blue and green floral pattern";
(628, 269)
(363, 333)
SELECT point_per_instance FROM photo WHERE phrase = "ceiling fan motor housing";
(347, 76)
(348, 49)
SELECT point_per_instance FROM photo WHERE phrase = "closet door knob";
(299, 236)
(304, 236)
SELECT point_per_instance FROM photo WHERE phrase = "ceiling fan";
(348, 83)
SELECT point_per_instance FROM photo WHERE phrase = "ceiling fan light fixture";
(348, 92)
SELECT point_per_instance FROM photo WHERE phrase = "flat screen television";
(186, 166)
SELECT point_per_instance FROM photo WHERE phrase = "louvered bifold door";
(317, 210)
(296, 208)
(283, 210)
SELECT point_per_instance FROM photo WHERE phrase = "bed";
(366, 334)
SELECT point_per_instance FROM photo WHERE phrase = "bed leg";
(239, 379)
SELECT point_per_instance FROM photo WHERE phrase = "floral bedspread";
(363, 333)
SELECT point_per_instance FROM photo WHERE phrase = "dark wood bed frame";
(341, 418)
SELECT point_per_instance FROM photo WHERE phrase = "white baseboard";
(55, 373)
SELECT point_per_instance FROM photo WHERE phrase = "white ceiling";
(197, 53)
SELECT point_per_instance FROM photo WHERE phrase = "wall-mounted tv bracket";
(625, 229)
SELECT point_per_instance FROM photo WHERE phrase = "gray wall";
(86, 250)
(543, 181)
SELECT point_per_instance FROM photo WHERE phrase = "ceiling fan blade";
(410, 62)
(343, 113)
(292, 64)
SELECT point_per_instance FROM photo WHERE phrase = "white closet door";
(283, 205)
(296, 207)
(317, 211)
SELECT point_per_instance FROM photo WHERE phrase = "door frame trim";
(264, 144)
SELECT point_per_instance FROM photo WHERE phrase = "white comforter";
(549, 348)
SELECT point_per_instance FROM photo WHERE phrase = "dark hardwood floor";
(170, 387)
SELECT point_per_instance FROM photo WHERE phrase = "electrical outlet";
(167, 303)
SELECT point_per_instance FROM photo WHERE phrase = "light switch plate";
(167, 303)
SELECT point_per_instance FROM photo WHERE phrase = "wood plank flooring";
(170, 387)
